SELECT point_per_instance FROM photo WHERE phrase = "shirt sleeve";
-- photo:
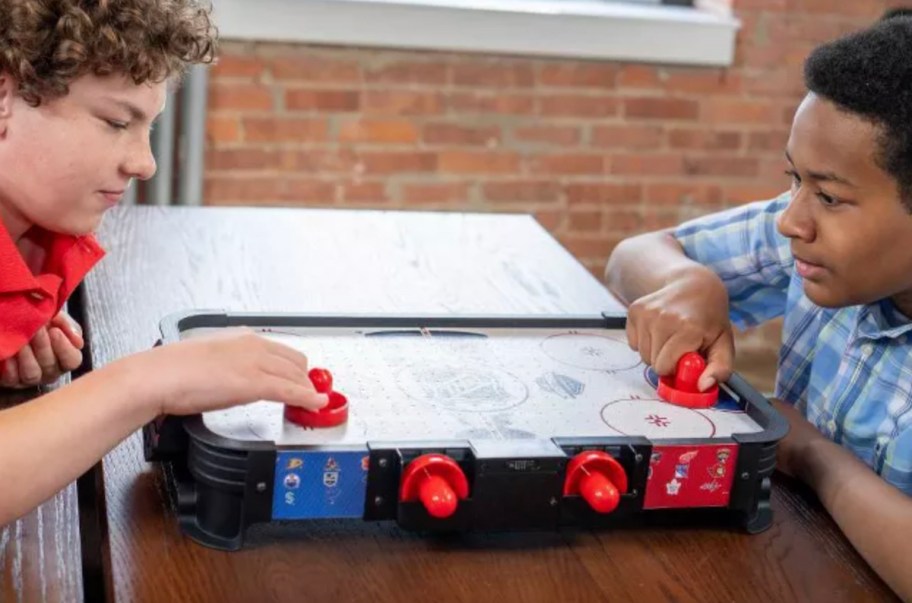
(743, 246)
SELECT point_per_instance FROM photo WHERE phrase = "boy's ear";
(7, 94)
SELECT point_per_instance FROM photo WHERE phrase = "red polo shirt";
(28, 301)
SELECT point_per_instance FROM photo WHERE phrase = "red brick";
(784, 82)
(267, 190)
(595, 267)
(320, 161)
(704, 81)
(636, 165)
(763, 29)
(660, 218)
(797, 55)
(865, 10)
(772, 170)
(243, 159)
(768, 140)
(601, 193)
(748, 194)
(382, 131)
(690, 193)
(584, 220)
(220, 129)
(627, 136)
(567, 163)
(734, 111)
(313, 191)
(382, 162)
(578, 75)
(522, 191)
(222, 190)
(722, 166)
(768, 55)
(661, 108)
(571, 105)
(628, 221)
(402, 102)
(410, 72)
(813, 30)
(479, 162)
(550, 219)
(704, 139)
(755, 28)
(589, 245)
(310, 68)
(640, 76)
(788, 114)
(364, 192)
(458, 134)
(550, 135)
(491, 102)
(494, 75)
(322, 100)
(764, 5)
(239, 97)
(278, 129)
(237, 66)
(436, 192)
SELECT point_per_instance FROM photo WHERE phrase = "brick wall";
(596, 150)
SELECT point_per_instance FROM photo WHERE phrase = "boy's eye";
(796, 179)
(117, 125)
(828, 200)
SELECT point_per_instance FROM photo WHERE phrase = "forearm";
(644, 264)
(874, 516)
(48, 442)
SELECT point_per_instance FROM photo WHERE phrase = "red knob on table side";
(437, 481)
(598, 478)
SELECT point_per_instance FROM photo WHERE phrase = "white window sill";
(563, 28)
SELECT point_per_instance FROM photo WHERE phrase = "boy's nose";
(796, 222)
(141, 164)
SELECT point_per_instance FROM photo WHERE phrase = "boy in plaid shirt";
(833, 256)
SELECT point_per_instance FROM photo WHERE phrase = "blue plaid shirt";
(849, 370)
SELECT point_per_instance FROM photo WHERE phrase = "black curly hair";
(869, 74)
(899, 11)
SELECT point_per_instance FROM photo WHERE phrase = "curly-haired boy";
(81, 82)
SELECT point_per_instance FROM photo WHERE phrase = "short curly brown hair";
(46, 44)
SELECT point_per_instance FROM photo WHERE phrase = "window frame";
(585, 29)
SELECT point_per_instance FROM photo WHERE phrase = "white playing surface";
(513, 384)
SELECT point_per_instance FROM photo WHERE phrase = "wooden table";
(40, 554)
(162, 260)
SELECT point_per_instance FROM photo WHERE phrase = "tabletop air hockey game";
(450, 423)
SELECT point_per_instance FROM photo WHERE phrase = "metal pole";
(159, 189)
(193, 136)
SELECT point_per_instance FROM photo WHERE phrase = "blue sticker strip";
(319, 484)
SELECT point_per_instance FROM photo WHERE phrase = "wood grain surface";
(40, 554)
(163, 260)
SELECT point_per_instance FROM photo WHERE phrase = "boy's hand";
(688, 314)
(54, 350)
(231, 368)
